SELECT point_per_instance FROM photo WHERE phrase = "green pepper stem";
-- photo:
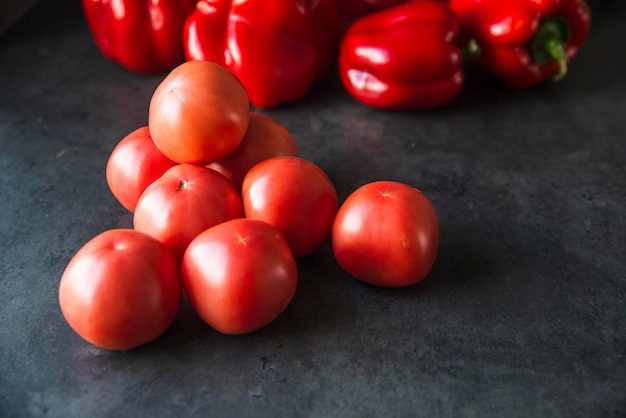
(471, 51)
(556, 49)
(548, 44)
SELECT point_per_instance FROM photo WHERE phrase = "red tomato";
(133, 165)
(122, 289)
(264, 139)
(199, 113)
(386, 234)
(183, 202)
(293, 195)
(239, 275)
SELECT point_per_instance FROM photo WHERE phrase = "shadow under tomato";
(316, 306)
(456, 266)
(319, 302)
(187, 328)
(328, 302)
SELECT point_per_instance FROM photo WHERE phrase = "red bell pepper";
(277, 52)
(524, 42)
(142, 36)
(403, 57)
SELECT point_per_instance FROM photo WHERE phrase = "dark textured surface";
(523, 314)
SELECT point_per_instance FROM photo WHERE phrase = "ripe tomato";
(293, 195)
(183, 202)
(122, 289)
(239, 275)
(199, 113)
(386, 234)
(133, 165)
(264, 139)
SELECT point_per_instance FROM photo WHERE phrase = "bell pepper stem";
(548, 44)
(471, 51)
(556, 49)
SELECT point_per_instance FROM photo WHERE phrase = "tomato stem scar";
(183, 185)
(241, 239)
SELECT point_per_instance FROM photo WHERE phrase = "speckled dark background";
(523, 314)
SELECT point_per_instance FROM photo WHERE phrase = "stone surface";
(523, 314)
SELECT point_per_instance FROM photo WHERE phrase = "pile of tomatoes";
(223, 207)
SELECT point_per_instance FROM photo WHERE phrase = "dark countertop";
(523, 314)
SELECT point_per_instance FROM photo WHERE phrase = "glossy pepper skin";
(524, 42)
(276, 52)
(403, 57)
(141, 35)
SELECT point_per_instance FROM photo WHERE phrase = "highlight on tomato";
(239, 275)
(386, 234)
(120, 290)
(295, 196)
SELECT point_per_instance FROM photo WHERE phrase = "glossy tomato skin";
(199, 113)
(239, 275)
(386, 234)
(133, 165)
(122, 289)
(295, 196)
(265, 138)
(183, 202)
